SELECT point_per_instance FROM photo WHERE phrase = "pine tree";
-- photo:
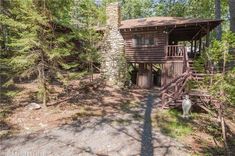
(6, 71)
(35, 45)
(221, 86)
(87, 16)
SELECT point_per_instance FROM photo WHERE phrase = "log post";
(200, 44)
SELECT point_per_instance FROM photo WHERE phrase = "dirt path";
(117, 134)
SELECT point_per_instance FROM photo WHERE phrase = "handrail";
(172, 81)
(178, 83)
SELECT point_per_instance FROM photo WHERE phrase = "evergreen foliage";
(223, 81)
(42, 34)
(86, 18)
(36, 44)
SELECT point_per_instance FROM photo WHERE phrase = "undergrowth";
(172, 124)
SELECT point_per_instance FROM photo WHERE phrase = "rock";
(33, 106)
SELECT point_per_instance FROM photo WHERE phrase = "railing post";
(165, 50)
(163, 100)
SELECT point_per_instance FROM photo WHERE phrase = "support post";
(207, 36)
(191, 51)
(200, 44)
(195, 48)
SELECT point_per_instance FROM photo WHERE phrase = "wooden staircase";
(198, 95)
(195, 74)
(173, 92)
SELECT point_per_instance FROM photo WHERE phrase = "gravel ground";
(111, 135)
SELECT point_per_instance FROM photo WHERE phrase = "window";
(144, 40)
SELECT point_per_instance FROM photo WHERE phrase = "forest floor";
(90, 119)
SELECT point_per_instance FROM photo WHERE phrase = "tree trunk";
(42, 80)
(91, 70)
(3, 29)
(232, 28)
(218, 16)
(232, 15)
(224, 62)
(44, 98)
(223, 129)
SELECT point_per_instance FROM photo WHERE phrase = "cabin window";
(144, 40)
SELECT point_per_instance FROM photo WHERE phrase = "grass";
(172, 124)
(5, 129)
(4, 112)
(123, 121)
(200, 125)
(87, 112)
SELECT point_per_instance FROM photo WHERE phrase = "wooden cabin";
(161, 51)
(158, 47)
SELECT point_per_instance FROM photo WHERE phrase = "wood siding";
(171, 69)
(145, 54)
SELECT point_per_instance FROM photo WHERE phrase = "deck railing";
(175, 51)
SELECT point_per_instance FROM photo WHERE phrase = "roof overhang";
(163, 21)
(193, 31)
(178, 28)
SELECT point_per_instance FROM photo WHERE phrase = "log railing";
(173, 90)
(175, 51)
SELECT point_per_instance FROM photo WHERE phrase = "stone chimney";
(113, 15)
(113, 52)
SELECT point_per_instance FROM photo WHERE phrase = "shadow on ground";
(115, 123)
(201, 130)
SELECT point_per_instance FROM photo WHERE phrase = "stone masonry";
(113, 46)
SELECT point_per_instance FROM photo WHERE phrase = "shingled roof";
(163, 21)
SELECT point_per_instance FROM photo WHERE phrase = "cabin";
(157, 47)
(160, 49)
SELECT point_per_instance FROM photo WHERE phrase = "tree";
(232, 15)
(35, 45)
(222, 86)
(87, 16)
(171, 8)
(218, 16)
(134, 8)
(137, 8)
(5, 70)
